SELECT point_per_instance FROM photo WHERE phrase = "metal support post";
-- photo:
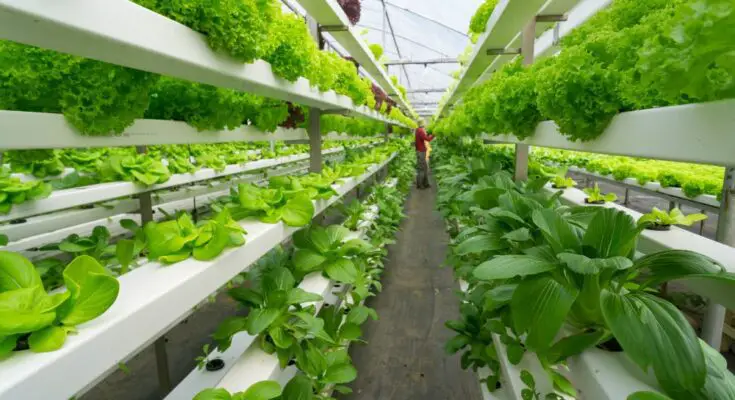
(387, 132)
(627, 197)
(522, 150)
(314, 128)
(672, 205)
(714, 316)
(273, 145)
(315, 140)
(145, 204)
(701, 223)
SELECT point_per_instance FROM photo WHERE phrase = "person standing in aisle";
(422, 166)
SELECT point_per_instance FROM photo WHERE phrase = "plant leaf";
(48, 339)
(611, 233)
(573, 345)
(340, 373)
(341, 270)
(17, 272)
(558, 232)
(506, 267)
(93, 291)
(307, 260)
(648, 328)
(479, 244)
(263, 390)
(298, 388)
(539, 307)
(260, 319)
(298, 211)
(300, 296)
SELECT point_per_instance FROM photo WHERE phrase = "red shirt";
(422, 137)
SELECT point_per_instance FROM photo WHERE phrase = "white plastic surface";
(697, 133)
(28, 130)
(151, 299)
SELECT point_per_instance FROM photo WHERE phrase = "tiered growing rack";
(153, 299)
(695, 133)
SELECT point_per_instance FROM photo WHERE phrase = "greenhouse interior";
(367, 199)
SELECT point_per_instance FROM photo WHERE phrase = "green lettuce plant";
(13, 191)
(326, 249)
(595, 196)
(272, 205)
(172, 241)
(40, 163)
(31, 318)
(133, 168)
(263, 390)
(662, 219)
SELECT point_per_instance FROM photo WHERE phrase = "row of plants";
(656, 219)
(286, 319)
(693, 179)
(204, 236)
(116, 164)
(551, 281)
(635, 55)
(102, 99)
(38, 314)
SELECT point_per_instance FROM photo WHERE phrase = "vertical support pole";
(315, 140)
(385, 24)
(714, 316)
(145, 204)
(314, 128)
(527, 49)
(701, 224)
(387, 132)
(627, 197)
(672, 205)
(273, 145)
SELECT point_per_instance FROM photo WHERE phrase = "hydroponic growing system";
(159, 153)
(546, 347)
(134, 216)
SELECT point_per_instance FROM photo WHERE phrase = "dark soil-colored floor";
(405, 358)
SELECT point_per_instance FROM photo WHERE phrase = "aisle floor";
(405, 358)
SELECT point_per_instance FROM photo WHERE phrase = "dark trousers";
(422, 169)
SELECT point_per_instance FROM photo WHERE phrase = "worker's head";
(421, 123)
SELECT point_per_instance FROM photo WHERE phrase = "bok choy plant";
(556, 280)
(31, 318)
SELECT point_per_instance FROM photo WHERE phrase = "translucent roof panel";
(419, 30)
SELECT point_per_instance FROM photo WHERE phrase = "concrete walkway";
(405, 358)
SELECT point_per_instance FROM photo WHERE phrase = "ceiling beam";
(395, 41)
(423, 62)
(427, 90)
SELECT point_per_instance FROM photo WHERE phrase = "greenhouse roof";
(418, 31)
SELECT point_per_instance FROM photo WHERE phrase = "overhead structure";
(423, 62)
(422, 41)
(427, 90)
(501, 41)
(159, 45)
(332, 20)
